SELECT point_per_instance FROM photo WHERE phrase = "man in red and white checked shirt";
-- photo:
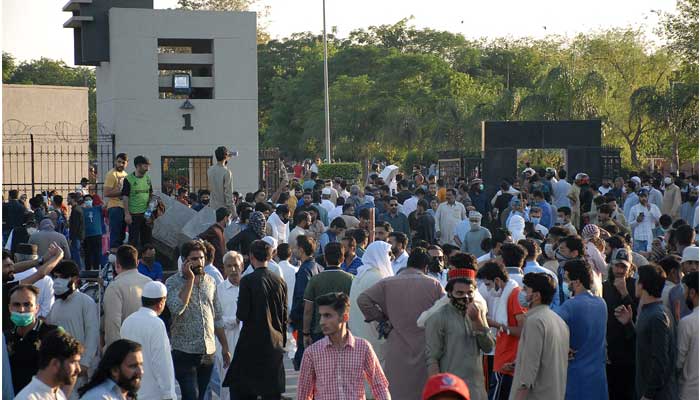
(334, 368)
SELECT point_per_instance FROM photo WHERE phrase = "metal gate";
(269, 178)
(51, 160)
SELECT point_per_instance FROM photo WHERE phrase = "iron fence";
(36, 162)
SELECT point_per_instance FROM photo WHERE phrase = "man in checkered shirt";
(335, 367)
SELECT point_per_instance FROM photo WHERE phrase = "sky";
(33, 28)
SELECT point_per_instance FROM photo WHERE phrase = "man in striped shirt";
(340, 360)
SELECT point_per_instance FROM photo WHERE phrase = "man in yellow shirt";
(114, 181)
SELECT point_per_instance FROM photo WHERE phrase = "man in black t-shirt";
(24, 334)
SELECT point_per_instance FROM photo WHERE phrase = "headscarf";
(257, 224)
(377, 256)
(590, 231)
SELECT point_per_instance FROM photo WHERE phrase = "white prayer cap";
(154, 290)
(691, 253)
(637, 179)
(667, 180)
(326, 191)
(474, 214)
(271, 241)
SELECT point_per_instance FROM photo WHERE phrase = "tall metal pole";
(325, 88)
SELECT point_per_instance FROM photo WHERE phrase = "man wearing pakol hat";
(457, 334)
(144, 327)
(471, 242)
(643, 219)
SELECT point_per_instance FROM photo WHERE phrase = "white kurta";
(447, 217)
(144, 327)
(289, 274)
(227, 293)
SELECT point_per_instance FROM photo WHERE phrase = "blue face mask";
(21, 319)
(535, 220)
(522, 299)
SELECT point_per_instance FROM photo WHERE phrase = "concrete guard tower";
(173, 85)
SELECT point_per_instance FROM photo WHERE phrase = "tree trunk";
(634, 155)
(675, 154)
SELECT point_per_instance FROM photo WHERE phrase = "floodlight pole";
(325, 88)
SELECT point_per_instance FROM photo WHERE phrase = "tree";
(681, 30)
(8, 66)
(233, 5)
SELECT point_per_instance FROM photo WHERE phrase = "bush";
(350, 171)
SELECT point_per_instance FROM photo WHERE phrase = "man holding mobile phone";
(644, 218)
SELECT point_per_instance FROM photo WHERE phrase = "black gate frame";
(58, 153)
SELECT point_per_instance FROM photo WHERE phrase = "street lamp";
(325, 87)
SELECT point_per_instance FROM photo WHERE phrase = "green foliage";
(8, 67)
(350, 171)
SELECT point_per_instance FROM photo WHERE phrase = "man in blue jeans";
(644, 217)
(76, 227)
(114, 182)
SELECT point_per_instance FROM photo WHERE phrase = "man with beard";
(114, 182)
(618, 290)
(643, 220)
(59, 366)
(118, 375)
(671, 202)
(197, 318)
(215, 235)
(75, 312)
(398, 242)
(448, 216)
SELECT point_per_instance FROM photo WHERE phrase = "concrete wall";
(57, 118)
(128, 104)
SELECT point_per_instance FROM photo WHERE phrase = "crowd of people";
(535, 287)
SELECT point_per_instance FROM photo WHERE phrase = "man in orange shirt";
(509, 317)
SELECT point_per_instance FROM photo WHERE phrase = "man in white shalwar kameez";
(447, 216)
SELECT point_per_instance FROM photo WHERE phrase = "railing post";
(31, 151)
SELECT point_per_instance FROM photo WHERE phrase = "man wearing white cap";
(471, 242)
(689, 263)
(671, 203)
(144, 327)
(326, 202)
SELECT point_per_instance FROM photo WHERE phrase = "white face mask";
(549, 251)
(474, 225)
(112, 258)
(88, 203)
(60, 285)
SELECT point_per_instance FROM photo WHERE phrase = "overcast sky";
(33, 28)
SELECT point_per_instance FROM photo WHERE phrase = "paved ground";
(292, 378)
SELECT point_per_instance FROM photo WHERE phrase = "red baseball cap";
(441, 383)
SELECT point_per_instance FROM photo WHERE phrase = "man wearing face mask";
(570, 248)
(540, 365)
(508, 317)
(457, 334)
(197, 318)
(536, 214)
(671, 203)
(471, 242)
(24, 335)
(277, 224)
(204, 198)
(549, 249)
(215, 235)
(148, 265)
(75, 312)
(586, 315)
(618, 290)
